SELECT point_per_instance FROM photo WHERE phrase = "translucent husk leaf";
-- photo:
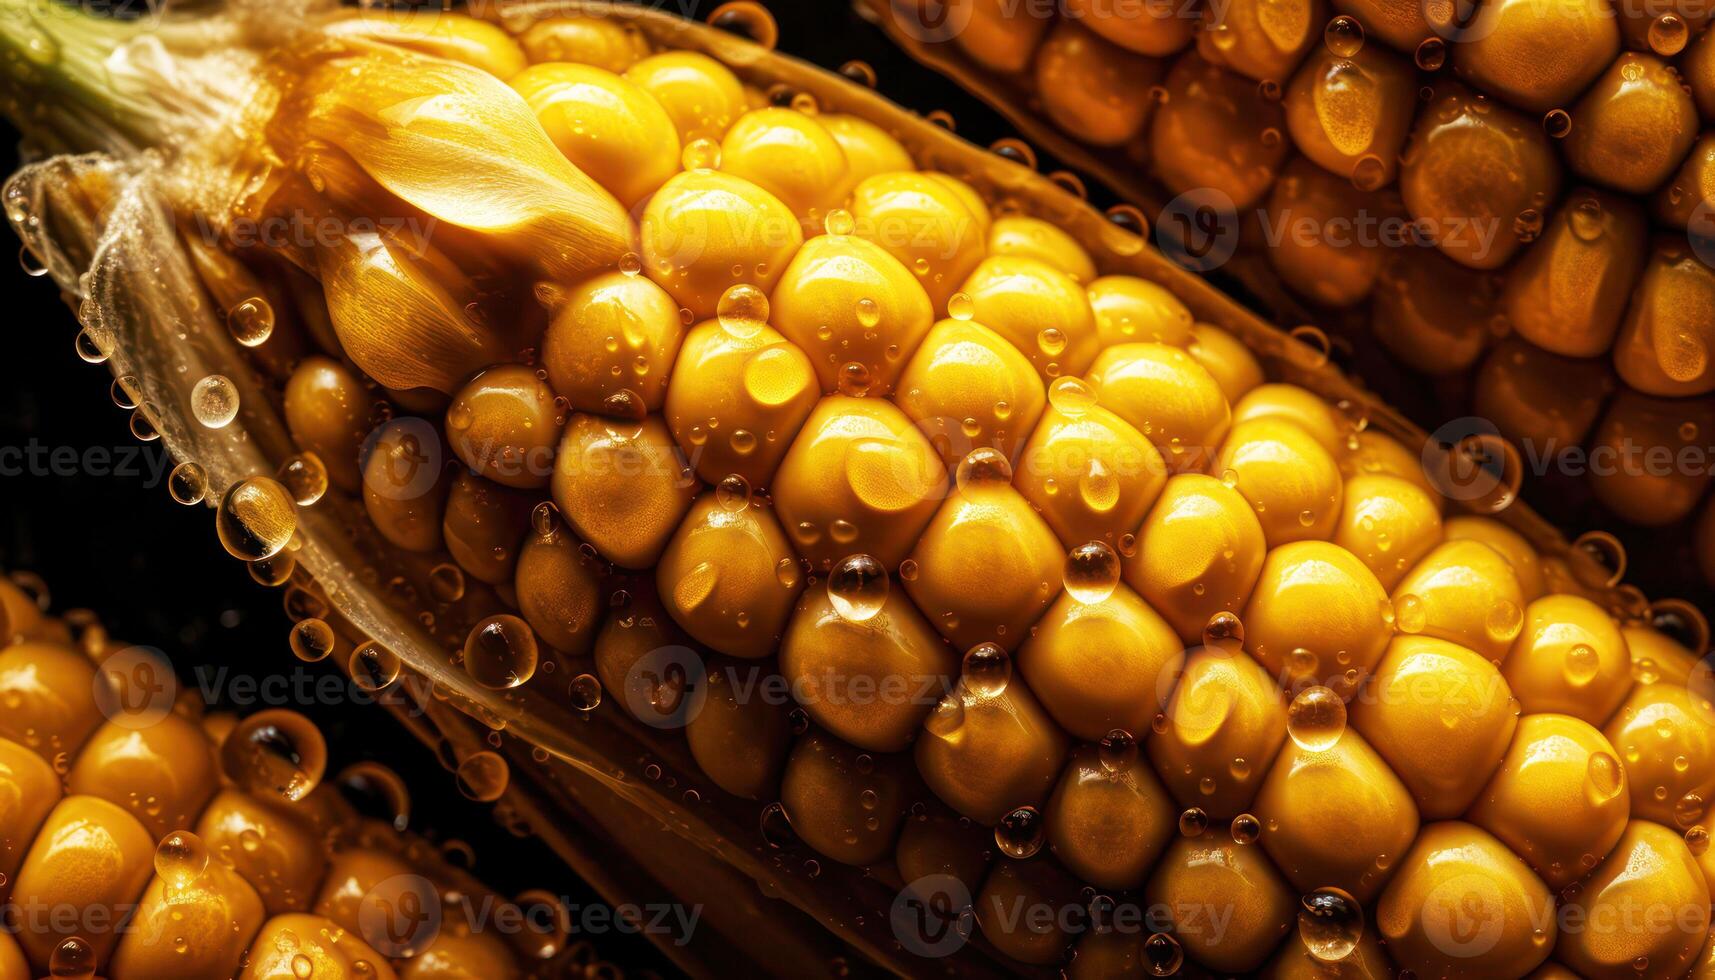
(677, 833)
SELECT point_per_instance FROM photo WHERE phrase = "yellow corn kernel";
(1019, 234)
(869, 149)
(197, 930)
(705, 231)
(869, 681)
(1350, 115)
(1225, 716)
(1199, 874)
(844, 802)
(1454, 876)
(1431, 312)
(1098, 666)
(270, 845)
(1140, 25)
(89, 855)
(1317, 615)
(622, 486)
(1665, 341)
(1131, 309)
(505, 425)
(1442, 718)
(790, 155)
(162, 773)
(1638, 429)
(1634, 125)
(1296, 405)
(1090, 474)
(48, 690)
(1540, 400)
(1665, 734)
(987, 749)
(288, 942)
(628, 649)
(1568, 290)
(701, 96)
(559, 591)
(1678, 201)
(1388, 523)
(1089, 86)
(1168, 397)
(1335, 816)
(1559, 798)
(985, 524)
(609, 127)
(1226, 358)
(1458, 140)
(1264, 41)
(737, 399)
(854, 309)
(1673, 897)
(1569, 658)
(1378, 454)
(1538, 56)
(483, 526)
(1198, 553)
(29, 788)
(936, 841)
(1038, 884)
(598, 41)
(1519, 553)
(1291, 482)
(13, 965)
(612, 343)
(996, 35)
(967, 388)
(927, 221)
(405, 486)
(458, 957)
(1215, 134)
(738, 739)
(721, 579)
(859, 479)
(327, 413)
(1463, 591)
(1109, 820)
(1313, 223)
(1040, 309)
(441, 33)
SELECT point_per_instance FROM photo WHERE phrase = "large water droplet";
(1330, 922)
(857, 587)
(1316, 719)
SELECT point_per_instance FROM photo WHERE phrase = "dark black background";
(154, 570)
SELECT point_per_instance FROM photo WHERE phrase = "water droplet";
(857, 587)
(854, 379)
(483, 776)
(1245, 829)
(1117, 751)
(251, 321)
(180, 858)
(373, 666)
(742, 310)
(1668, 34)
(1330, 922)
(1557, 123)
(987, 669)
(733, 493)
(1431, 54)
(1224, 631)
(312, 640)
(838, 222)
(1344, 36)
(1019, 834)
(1193, 822)
(275, 752)
(304, 477)
(960, 306)
(585, 690)
(984, 467)
(500, 652)
(701, 154)
(188, 483)
(1091, 572)
(256, 519)
(214, 401)
(859, 72)
(1316, 719)
(1163, 954)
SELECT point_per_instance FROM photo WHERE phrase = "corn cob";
(1228, 645)
(1534, 145)
(143, 838)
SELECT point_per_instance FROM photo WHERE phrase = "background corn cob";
(1314, 506)
(142, 838)
(1548, 147)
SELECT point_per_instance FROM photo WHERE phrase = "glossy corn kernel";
(968, 388)
(1128, 308)
(288, 944)
(740, 741)
(1569, 658)
(740, 396)
(988, 748)
(1459, 142)
(559, 590)
(612, 128)
(928, 224)
(1225, 723)
(586, 41)
(1653, 442)
(699, 94)
(1166, 395)
(1089, 85)
(1568, 291)
(1099, 794)
(483, 526)
(1351, 115)
(1559, 798)
(1441, 716)
(1541, 400)
(1665, 736)
(1200, 875)
(504, 424)
(1216, 133)
(622, 486)
(1432, 312)
(1145, 27)
(1290, 481)
(1538, 56)
(443, 34)
(1013, 885)
(1019, 234)
(996, 37)
(611, 345)
(1665, 340)
(1674, 894)
(705, 231)
(327, 411)
(1225, 357)
(1461, 905)
(1633, 127)
(162, 773)
(1316, 615)
(1388, 523)
(89, 854)
(1264, 41)
(1466, 592)
(1336, 268)
(1199, 552)
(869, 149)
(790, 155)
(1038, 308)
(728, 576)
(1098, 666)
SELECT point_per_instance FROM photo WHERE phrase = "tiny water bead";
(446, 582)
(1330, 922)
(838, 222)
(1117, 751)
(312, 640)
(376, 791)
(986, 670)
(1668, 34)
(747, 19)
(960, 306)
(1245, 829)
(256, 518)
(1316, 719)
(180, 858)
(275, 752)
(126, 391)
(373, 666)
(1225, 632)
(1071, 397)
(1557, 123)
(214, 401)
(273, 571)
(1431, 54)
(859, 72)
(742, 310)
(1020, 833)
(701, 154)
(1193, 821)
(1091, 572)
(305, 477)
(483, 776)
(73, 959)
(984, 467)
(91, 350)
(188, 483)
(733, 493)
(251, 321)
(585, 692)
(1163, 955)
(500, 652)
(857, 587)
(1344, 36)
